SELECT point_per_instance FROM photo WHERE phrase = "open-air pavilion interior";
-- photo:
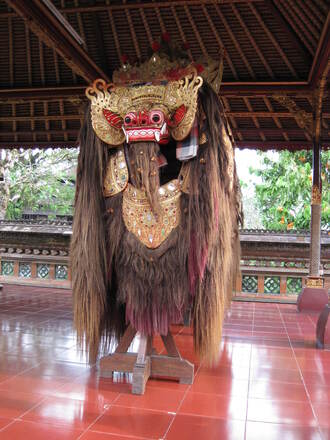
(272, 379)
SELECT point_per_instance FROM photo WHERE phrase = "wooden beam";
(279, 145)
(140, 5)
(39, 144)
(252, 145)
(322, 55)
(235, 89)
(54, 34)
(77, 117)
(292, 132)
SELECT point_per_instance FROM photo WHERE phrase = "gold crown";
(160, 68)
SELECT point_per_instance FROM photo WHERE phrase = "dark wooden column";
(313, 295)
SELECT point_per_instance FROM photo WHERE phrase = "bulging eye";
(157, 117)
(130, 119)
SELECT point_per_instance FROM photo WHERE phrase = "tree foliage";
(39, 180)
(284, 194)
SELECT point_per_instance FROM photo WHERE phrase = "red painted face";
(146, 126)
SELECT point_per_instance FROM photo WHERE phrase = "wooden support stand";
(146, 362)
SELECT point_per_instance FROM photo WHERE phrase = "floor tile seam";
(249, 378)
(105, 409)
(278, 400)
(32, 407)
(124, 436)
(292, 423)
(224, 418)
(19, 374)
(304, 383)
(56, 389)
(11, 422)
(180, 404)
(152, 410)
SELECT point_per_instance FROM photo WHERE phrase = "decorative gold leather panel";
(116, 177)
(148, 228)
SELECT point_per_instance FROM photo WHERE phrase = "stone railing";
(274, 265)
(35, 252)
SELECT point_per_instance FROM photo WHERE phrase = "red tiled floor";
(154, 398)
(220, 385)
(20, 430)
(92, 435)
(272, 431)
(214, 406)
(277, 411)
(77, 414)
(270, 383)
(14, 404)
(187, 427)
(133, 421)
(262, 389)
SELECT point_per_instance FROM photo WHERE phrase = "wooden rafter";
(181, 32)
(194, 28)
(273, 40)
(280, 145)
(132, 32)
(322, 55)
(285, 26)
(139, 5)
(294, 26)
(252, 41)
(300, 23)
(114, 34)
(235, 89)
(234, 40)
(254, 118)
(250, 144)
(100, 43)
(146, 26)
(11, 52)
(235, 114)
(311, 13)
(161, 22)
(220, 43)
(275, 117)
(49, 30)
(300, 12)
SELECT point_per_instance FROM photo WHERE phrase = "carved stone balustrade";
(274, 265)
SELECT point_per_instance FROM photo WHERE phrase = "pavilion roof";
(276, 52)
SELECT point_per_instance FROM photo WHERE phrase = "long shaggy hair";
(117, 280)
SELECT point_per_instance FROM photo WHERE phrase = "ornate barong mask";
(146, 112)
(157, 205)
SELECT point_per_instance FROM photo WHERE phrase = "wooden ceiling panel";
(271, 47)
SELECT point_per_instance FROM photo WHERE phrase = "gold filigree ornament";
(116, 177)
(150, 229)
(315, 282)
(117, 101)
(316, 195)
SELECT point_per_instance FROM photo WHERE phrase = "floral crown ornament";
(149, 102)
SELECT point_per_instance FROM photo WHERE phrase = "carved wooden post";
(313, 295)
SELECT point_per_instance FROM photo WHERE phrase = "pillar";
(313, 296)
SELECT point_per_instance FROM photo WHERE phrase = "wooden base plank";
(147, 363)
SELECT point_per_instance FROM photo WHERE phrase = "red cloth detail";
(155, 46)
